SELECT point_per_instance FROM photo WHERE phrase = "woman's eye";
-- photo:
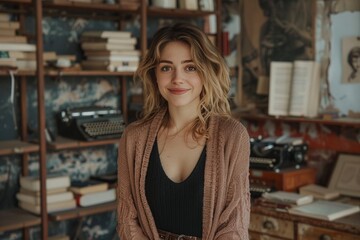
(190, 68)
(165, 68)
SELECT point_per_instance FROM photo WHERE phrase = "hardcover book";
(319, 192)
(51, 207)
(326, 210)
(288, 197)
(89, 186)
(53, 181)
(94, 198)
(53, 198)
(107, 34)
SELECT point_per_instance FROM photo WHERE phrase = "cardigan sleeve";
(235, 218)
(128, 226)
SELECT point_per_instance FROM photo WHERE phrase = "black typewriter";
(273, 154)
(90, 123)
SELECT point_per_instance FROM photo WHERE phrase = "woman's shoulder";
(230, 125)
(136, 128)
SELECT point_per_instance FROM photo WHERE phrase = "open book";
(294, 88)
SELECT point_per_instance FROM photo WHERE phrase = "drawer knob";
(325, 237)
(269, 225)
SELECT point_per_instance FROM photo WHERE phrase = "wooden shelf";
(17, 1)
(262, 117)
(17, 147)
(82, 211)
(76, 6)
(18, 73)
(163, 12)
(62, 143)
(86, 73)
(16, 218)
(68, 73)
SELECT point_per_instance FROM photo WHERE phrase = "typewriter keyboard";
(104, 128)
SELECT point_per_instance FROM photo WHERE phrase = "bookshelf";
(21, 219)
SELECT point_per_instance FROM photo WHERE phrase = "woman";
(183, 168)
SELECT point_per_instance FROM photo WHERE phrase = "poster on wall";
(276, 30)
(344, 97)
(351, 59)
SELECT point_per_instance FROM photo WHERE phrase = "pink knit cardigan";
(226, 208)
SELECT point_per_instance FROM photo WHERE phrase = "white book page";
(300, 89)
(280, 83)
(314, 99)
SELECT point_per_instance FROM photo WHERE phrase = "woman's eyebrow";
(182, 62)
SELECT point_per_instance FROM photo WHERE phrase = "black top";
(176, 207)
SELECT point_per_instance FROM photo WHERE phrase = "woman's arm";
(128, 226)
(235, 218)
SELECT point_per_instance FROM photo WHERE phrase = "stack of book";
(110, 50)
(15, 51)
(283, 201)
(92, 192)
(58, 197)
(130, 4)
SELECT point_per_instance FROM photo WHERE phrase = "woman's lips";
(177, 91)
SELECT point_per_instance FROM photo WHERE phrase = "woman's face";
(356, 62)
(177, 77)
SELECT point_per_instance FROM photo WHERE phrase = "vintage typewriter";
(277, 153)
(90, 123)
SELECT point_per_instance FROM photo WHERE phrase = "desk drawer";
(261, 236)
(308, 232)
(271, 226)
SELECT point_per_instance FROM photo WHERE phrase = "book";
(110, 65)
(88, 186)
(188, 4)
(113, 53)
(288, 197)
(9, 24)
(107, 46)
(111, 179)
(51, 207)
(90, 199)
(206, 5)
(107, 34)
(114, 58)
(17, 47)
(13, 39)
(38, 193)
(326, 210)
(131, 40)
(5, 17)
(294, 89)
(319, 192)
(47, 56)
(52, 181)
(164, 3)
(53, 198)
(7, 32)
(23, 64)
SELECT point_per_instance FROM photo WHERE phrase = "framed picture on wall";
(346, 175)
(279, 30)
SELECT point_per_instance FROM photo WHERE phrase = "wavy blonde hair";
(211, 68)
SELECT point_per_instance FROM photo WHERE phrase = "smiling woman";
(183, 167)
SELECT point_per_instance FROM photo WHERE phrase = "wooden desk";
(268, 224)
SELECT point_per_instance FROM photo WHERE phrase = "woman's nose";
(178, 76)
